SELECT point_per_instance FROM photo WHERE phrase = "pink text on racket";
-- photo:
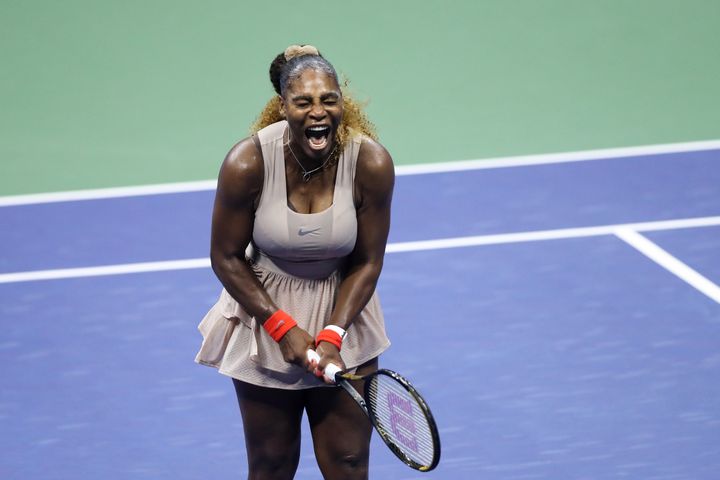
(401, 420)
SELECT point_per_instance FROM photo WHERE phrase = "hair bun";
(299, 50)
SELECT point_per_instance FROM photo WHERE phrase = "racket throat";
(353, 393)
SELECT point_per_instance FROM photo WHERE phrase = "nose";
(318, 111)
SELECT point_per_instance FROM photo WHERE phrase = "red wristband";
(330, 336)
(278, 325)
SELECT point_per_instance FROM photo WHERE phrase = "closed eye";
(330, 98)
(301, 101)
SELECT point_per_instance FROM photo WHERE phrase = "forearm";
(241, 283)
(355, 291)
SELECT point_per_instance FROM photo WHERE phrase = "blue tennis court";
(562, 318)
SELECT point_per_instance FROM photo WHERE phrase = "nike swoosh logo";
(302, 232)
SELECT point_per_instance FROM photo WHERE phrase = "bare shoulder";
(374, 175)
(375, 169)
(241, 173)
(243, 159)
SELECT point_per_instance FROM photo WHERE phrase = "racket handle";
(330, 369)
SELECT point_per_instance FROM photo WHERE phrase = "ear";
(282, 106)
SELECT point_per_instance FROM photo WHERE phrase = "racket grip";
(330, 369)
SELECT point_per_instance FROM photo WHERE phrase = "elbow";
(215, 265)
(220, 263)
(376, 269)
(215, 258)
(371, 270)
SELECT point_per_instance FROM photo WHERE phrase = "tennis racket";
(399, 414)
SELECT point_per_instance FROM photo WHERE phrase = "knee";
(347, 464)
(273, 463)
(353, 462)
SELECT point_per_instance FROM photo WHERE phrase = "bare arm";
(239, 186)
(375, 178)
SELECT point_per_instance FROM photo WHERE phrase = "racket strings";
(401, 418)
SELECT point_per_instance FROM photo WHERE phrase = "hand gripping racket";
(399, 414)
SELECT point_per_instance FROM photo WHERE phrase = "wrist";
(278, 324)
(331, 334)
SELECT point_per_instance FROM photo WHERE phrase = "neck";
(317, 165)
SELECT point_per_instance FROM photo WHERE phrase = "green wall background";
(108, 93)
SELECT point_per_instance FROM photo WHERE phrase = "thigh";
(341, 430)
(271, 422)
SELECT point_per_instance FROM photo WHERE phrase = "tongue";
(317, 143)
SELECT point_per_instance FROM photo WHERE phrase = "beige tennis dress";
(299, 260)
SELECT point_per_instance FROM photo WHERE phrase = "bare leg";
(341, 431)
(271, 421)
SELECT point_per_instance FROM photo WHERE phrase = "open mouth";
(318, 136)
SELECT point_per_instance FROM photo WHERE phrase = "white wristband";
(337, 330)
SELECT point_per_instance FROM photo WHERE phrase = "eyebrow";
(309, 98)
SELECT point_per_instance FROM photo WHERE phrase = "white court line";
(549, 234)
(397, 247)
(144, 267)
(670, 263)
(543, 159)
(453, 166)
(114, 192)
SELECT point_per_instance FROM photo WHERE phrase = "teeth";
(318, 128)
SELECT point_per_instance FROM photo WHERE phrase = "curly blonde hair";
(285, 68)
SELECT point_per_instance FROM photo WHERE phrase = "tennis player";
(299, 229)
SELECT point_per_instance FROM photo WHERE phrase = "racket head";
(403, 419)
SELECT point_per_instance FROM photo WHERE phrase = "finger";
(312, 360)
(312, 356)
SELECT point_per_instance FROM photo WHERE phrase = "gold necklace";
(308, 173)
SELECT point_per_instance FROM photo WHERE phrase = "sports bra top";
(311, 245)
